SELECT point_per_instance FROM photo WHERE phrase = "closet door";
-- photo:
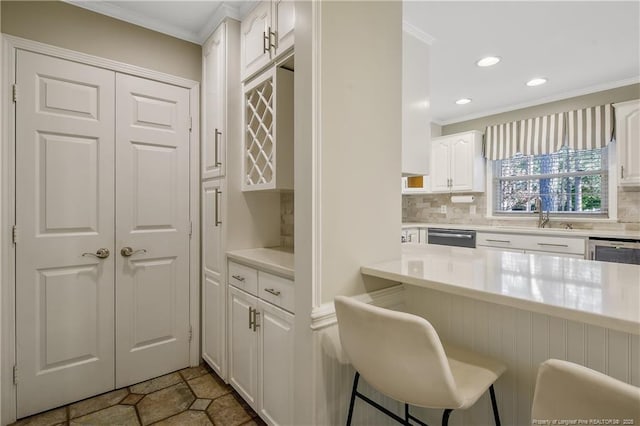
(152, 231)
(64, 213)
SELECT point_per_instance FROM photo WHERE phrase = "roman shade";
(587, 128)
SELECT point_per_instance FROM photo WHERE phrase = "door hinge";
(15, 374)
(14, 91)
(190, 333)
(190, 229)
(190, 123)
(14, 234)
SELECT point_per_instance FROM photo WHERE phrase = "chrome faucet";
(542, 219)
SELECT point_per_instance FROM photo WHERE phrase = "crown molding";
(417, 33)
(558, 97)
(198, 35)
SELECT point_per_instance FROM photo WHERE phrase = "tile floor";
(193, 396)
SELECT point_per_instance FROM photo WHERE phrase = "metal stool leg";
(496, 416)
(356, 378)
(445, 416)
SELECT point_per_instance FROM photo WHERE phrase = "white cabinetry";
(220, 122)
(213, 288)
(457, 164)
(267, 32)
(261, 341)
(416, 118)
(213, 119)
(628, 140)
(268, 131)
(557, 246)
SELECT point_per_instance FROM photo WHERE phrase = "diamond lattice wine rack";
(268, 132)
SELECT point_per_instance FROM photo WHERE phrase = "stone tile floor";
(193, 396)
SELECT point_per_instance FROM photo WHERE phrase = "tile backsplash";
(428, 208)
(286, 219)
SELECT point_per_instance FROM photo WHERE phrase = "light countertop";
(275, 260)
(529, 230)
(598, 293)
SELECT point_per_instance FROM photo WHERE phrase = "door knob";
(102, 253)
(128, 251)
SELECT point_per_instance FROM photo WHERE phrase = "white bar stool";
(401, 356)
(568, 391)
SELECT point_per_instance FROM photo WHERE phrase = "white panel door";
(152, 210)
(440, 159)
(214, 134)
(462, 157)
(64, 208)
(243, 346)
(276, 365)
(213, 289)
(284, 20)
(254, 34)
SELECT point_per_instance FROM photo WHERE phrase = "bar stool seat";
(401, 356)
(565, 391)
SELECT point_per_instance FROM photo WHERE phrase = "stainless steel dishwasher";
(618, 250)
(451, 237)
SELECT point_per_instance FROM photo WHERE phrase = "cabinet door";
(213, 116)
(628, 138)
(255, 39)
(284, 19)
(461, 166)
(276, 365)
(213, 289)
(243, 346)
(440, 166)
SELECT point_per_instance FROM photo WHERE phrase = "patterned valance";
(587, 128)
(590, 128)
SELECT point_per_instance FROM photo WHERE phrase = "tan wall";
(619, 94)
(71, 27)
(361, 125)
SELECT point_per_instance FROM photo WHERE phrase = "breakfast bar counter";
(596, 293)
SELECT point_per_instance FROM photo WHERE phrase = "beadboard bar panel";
(522, 340)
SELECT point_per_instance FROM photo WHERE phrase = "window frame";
(612, 189)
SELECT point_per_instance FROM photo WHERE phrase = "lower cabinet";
(541, 244)
(261, 347)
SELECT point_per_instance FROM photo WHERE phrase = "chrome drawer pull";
(500, 241)
(553, 245)
(442, 234)
(272, 291)
(238, 277)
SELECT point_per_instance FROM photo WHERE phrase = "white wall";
(359, 162)
(347, 164)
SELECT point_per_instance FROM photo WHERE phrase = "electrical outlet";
(472, 209)
(443, 209)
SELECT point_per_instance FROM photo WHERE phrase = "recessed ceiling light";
(488, 61)
(536, 81)
(463, 101)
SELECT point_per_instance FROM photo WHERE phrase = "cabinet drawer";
(540, 243)
(243, 277)
(556, 244)
(509, 241)
(277, 290)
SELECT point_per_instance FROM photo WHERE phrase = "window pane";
(566, 181)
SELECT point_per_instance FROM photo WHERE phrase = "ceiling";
(579, 46)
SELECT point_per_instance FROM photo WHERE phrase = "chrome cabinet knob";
(102, 253)
(128, 251)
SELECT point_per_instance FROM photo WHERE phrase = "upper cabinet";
(457, 164)
(213, 118)
(268, 131)
(416, 117)
(266, 33)
(628, 140)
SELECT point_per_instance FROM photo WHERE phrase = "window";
(568, 181)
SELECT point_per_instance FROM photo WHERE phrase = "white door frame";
(7, 200)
